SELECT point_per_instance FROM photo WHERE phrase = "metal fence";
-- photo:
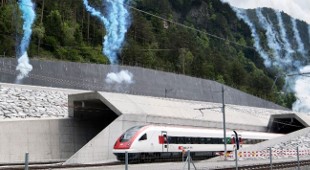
(270, 158)
(182, 160)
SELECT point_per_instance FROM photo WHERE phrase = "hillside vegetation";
(65, 31)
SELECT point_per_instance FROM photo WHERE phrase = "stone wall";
(17, 102)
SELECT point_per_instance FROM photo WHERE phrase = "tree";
(185, 60)
(7, 29)
(39, 32)
(238, 74)
(53, 25)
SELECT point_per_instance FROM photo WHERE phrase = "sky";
(299, 9)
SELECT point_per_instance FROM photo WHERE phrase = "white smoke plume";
(302, 92)
(309, 32)
(122, 77)
(241, 14)
(301, 47)
(23, 66)
(296, 83)
(116, 22)
(296, 8)
(27, 8)
(270, 34)
(287, 45)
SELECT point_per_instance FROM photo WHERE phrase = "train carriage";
(168, 142)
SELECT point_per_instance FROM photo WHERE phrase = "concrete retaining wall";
(44, 140)
(146, 82)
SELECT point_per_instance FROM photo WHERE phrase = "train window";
(196, 141)
(177, 140)
(181, 140)
(130, 133)
(188, 140)
(172, 139)
(143, 137)
(216, 140)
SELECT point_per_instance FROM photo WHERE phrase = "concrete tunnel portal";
(286, 123)
(94, 111)
(114, 113)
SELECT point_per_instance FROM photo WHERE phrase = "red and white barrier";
(282, 153)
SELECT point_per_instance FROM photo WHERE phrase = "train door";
(165, 144)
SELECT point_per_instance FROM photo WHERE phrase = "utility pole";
(224, 124)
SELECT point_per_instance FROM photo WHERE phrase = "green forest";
(64, 30)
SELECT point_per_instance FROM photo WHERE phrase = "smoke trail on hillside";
(123, 77)
(301, 47)
(23, 67)
(298, 84)
(116, 24)
(28, 15)
(287, 45)
(95, 13)
(309, 32)
(242, 15)
(302, 92)
(270, 34)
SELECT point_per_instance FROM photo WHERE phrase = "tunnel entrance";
(285, 123)
(95, 112)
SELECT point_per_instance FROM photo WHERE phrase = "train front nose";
(122, 145)
(125, 141)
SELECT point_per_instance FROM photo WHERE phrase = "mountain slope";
(205, 40)
(283, 42)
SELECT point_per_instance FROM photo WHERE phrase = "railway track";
(278, 165)
(56, 165)
(281, 165)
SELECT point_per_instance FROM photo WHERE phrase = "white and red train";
(159, 142)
